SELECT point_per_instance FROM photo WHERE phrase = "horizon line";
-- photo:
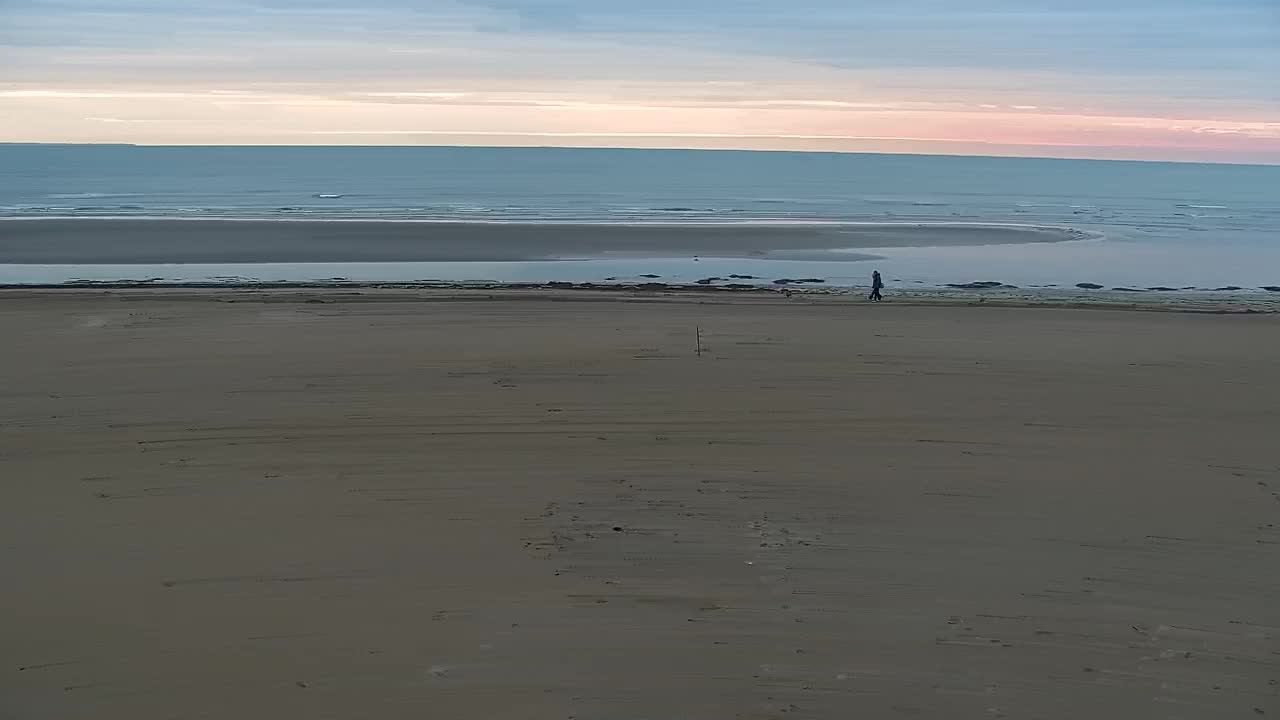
(675, 148)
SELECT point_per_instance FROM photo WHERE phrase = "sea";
(1191, 227)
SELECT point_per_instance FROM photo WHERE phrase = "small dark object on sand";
(617, 529)
(314, 301)
(1089, 286)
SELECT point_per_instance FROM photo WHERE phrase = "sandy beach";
(107, 241)
(489, 505)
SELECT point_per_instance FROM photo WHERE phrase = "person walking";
(876, 285)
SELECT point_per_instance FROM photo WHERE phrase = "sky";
(1135, 79)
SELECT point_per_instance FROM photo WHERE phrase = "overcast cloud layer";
(1155, 79)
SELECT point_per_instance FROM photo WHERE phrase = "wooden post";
(698, 334)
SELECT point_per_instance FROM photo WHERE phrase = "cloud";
(820, 68)
(605, 134)
(1262, 130)
(93, 94)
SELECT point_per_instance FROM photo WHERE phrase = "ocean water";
(1170, 224)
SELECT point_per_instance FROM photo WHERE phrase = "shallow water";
(1162, 224)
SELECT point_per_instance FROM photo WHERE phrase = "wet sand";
(325, 504)
(125, 241)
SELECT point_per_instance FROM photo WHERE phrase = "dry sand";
(550, 507)
(98, 241)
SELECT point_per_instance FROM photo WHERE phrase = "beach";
(485, 503)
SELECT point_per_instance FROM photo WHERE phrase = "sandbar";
(146, 241)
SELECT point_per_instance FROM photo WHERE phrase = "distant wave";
(87, 196)
(696, 210)
(682, 209)
(916, 202)
(1200, 207)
